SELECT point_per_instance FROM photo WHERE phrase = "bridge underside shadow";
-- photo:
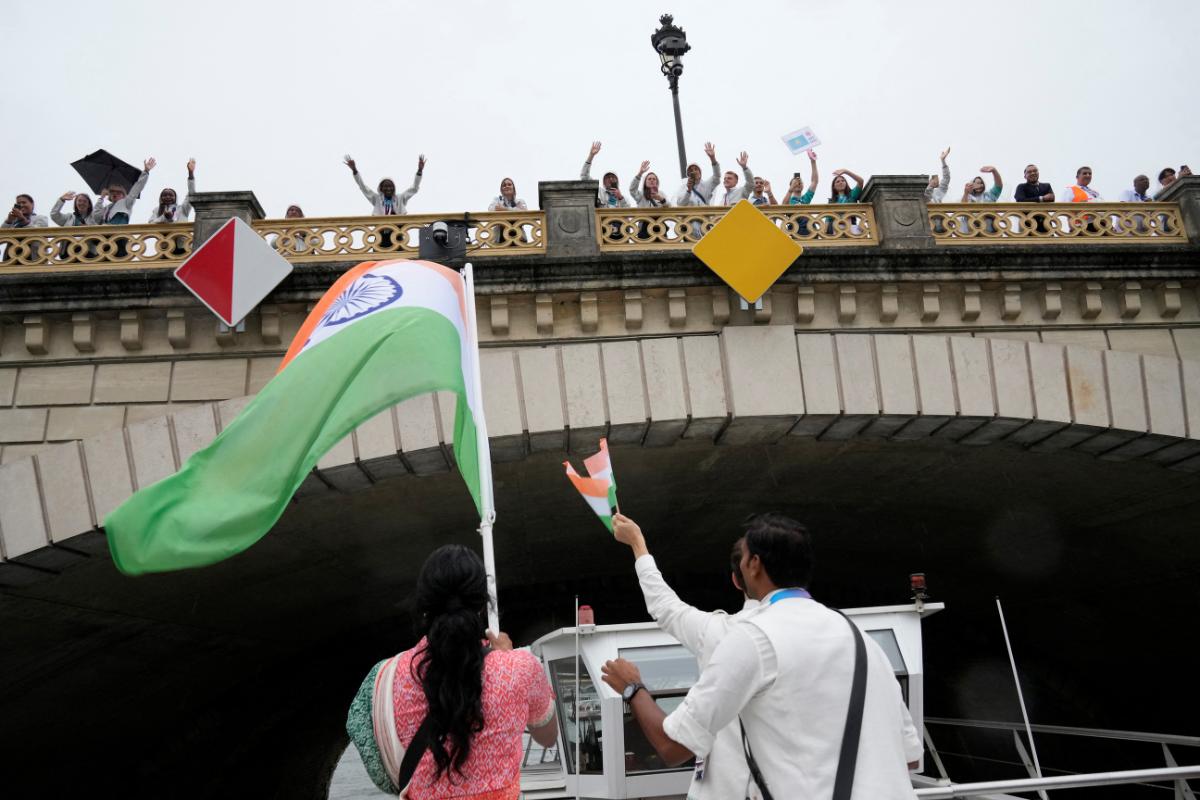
(234, 680)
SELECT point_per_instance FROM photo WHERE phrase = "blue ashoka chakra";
(368, 293)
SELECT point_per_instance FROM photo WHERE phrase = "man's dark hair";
(1081, 169)
(735, 562)
(1164, 172)
(28, 197)
(784, 547)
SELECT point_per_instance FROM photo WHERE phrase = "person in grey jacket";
(22, 216)
(935, 192)
(733, 192)
(82, 210)
(386, 202)
(167, 209)
(696, 190)
(649, 195)
(120, 203)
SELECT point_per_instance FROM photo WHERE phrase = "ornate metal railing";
(104, 246)
(492, 233)
(992, 223)
(671, 228)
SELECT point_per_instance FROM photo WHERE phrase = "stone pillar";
(570, 208)
(901, 219)
(1186, 192)
(213, 209)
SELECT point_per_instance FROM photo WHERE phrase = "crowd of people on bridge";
(114, 206)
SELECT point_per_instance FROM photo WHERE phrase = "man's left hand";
(619, 673)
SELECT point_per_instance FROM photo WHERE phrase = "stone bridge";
(1018, 416)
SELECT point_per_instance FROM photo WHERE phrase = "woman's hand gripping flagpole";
(487, 500)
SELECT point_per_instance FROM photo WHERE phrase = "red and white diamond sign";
(233, 271)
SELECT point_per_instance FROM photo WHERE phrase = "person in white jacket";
(385, 202)
(723, 773)
(120, 202)
(697, 190)
(609, 194)
(733, 191)
(168, 210)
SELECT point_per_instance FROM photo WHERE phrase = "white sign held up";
(800, 140)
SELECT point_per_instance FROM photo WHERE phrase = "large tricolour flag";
(384, 332)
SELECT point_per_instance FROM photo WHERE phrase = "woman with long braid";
(462, 697)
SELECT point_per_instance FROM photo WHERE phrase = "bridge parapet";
(892, 215)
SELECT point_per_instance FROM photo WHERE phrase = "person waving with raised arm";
(120, 202)
(841, 191)
(935, 192)
(723, 773)
(385, 202)
(733, 192)
(609, 194)
(649, 195)
(167, 209)
(977, 192)
(697, 190)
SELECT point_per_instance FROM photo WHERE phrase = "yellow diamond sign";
(747, 251)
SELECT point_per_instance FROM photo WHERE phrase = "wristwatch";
(631, 689)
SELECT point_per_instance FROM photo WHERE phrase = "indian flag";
(599, 489)
(384, 332)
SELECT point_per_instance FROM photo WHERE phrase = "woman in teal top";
(842, 193)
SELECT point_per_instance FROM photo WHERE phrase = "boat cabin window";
(587, 730)
(886, 638)
(668, 672)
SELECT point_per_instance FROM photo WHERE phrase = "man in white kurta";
(786, 670)
(722, 773)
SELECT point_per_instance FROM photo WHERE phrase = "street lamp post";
(670, 42)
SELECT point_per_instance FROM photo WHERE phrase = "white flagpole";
(487, 501)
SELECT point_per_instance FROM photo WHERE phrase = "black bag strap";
(755, 772)
(843, 782)
(848, 760)
(412, 755)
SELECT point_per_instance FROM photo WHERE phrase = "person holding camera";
(21, 215)
(935, 192)
(609, 194)
(697, 190)
(649, 195)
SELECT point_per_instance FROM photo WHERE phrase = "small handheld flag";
(599, 489)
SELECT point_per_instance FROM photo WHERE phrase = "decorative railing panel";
(493, 233)
(992, 223)
(682, 227)
(104, 246)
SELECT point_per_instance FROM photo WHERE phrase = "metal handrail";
(1095, 733)
(1058, 782)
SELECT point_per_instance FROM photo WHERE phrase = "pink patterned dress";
(516, 694)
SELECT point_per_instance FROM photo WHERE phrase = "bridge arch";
(747, 384)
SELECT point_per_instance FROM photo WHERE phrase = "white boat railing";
(950, 790)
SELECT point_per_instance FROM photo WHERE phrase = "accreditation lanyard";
(786, 593)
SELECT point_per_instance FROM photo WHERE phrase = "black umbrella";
(102, 169)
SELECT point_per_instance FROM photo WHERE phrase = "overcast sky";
(269, 95)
